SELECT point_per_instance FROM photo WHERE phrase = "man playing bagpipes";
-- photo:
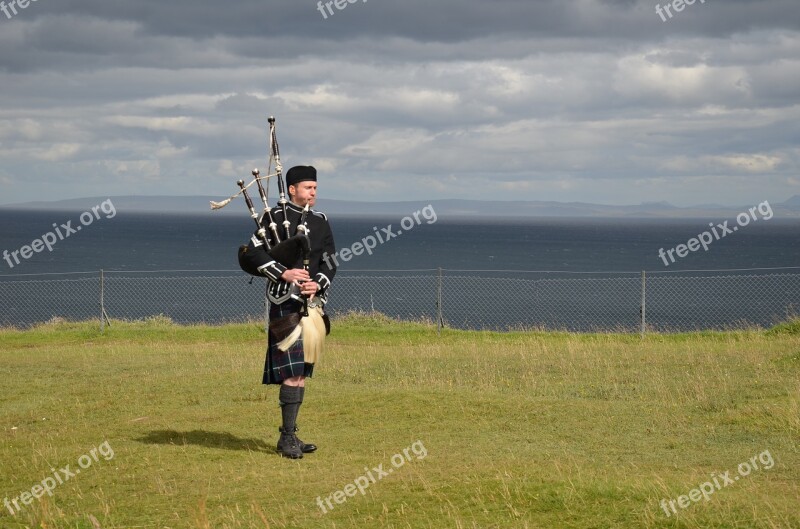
(295, 261)
(298, 280)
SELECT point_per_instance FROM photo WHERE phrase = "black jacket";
(322, 265)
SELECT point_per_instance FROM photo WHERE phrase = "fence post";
(102, 301)
(103, 314)
(439, 319)
(643, 308)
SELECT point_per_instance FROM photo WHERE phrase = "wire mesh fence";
(499, 300)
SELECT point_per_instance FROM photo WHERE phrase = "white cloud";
(753, 163)
(327, 97)
(167, 150)
(59, 152)
(183, 124)
(135, 169)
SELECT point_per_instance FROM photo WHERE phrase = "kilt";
(280, 365)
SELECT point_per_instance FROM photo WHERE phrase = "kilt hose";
(280, 365)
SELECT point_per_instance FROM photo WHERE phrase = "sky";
(603, 101)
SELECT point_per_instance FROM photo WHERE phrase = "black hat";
(301, 173)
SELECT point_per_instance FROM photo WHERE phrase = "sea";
(149, 242)
(490, 251)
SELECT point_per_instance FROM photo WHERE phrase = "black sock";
(300, 395)
(290, 398)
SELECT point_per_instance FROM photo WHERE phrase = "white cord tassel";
(313, 335)
(312, 329)
(287, 342)
(220, 205)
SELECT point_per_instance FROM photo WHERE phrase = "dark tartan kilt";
(280, 365)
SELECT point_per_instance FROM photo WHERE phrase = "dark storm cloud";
(441, 21)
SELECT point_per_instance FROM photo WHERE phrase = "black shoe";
(288, 445)
(305, 448)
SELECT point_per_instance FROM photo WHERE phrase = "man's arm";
(327, 264)
(255, 260)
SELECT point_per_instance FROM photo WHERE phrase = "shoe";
(305, 448)
(288, 445)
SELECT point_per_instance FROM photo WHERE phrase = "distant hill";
(445, 207)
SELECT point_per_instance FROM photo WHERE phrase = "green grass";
(521, 429)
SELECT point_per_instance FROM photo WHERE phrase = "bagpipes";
(293, 249)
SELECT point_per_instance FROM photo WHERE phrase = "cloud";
(578, 100)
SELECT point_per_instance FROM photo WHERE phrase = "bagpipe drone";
(283, 247)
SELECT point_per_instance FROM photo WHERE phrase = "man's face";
(304, 193)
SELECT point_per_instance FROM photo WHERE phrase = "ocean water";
(576, 274)
(208, 242)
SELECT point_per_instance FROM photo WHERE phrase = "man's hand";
(298, 275)
(309, 288)
(295, 275)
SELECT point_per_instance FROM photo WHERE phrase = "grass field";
(171, 428)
